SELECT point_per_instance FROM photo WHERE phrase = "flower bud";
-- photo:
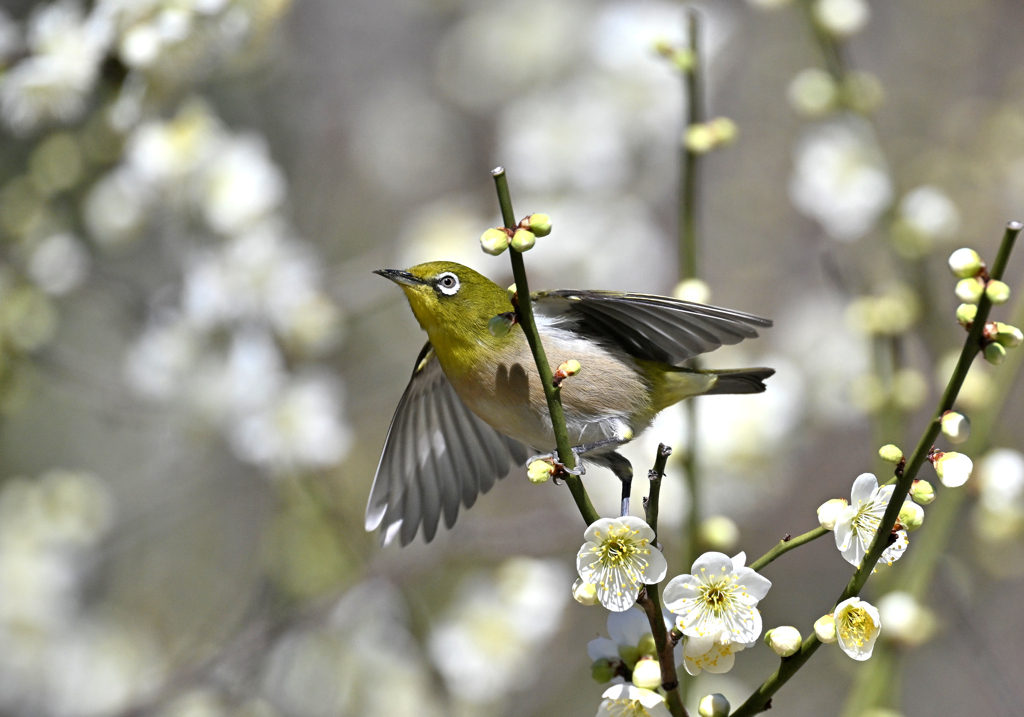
(1008, 336)
(911, 516)
(956, 426)
(500, 325)
(540, 471)
(724, 130)
(953, 469)
(784, 641)
(647, 674)
(965, 263)
(970, 290)
(494, 241)
(828, 512)
(890, 454)
(569, 368)
(825, 629)
(699, 138)
(997, 292)
(683, 59)
(693, 290)
(511, 291)
(841, 18)
(629, 655)
(584, 593)
(813, 92)
(922, 492)
(719, 533)
(965, 313)
(540, 224)
(995, 353)
(713, 706)
(602, 670)
(647, 646)
(523, 240)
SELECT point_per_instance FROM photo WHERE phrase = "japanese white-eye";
(475, 400)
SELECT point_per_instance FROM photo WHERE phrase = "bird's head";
(452, 302)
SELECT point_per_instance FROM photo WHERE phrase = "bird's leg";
(559, 466)
(623, 470)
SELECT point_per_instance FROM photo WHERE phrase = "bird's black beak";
(400, 277)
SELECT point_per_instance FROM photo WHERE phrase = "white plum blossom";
(242, 184)
(627, 700)
(59, 264)
(857, 627)
(629, 630)
(857, 523)
(840, 178)
(952, 468)
(718, 600)
(930, 212)
(618, 558)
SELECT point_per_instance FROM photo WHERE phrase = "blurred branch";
(758, 701)
(524, 309)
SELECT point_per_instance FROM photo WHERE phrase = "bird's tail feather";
(740, 380)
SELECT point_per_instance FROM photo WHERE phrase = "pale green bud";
(995, 353)
(841, 18)
(511, 291)
(699, 138)
(965, 313)
(956, 426)
(540, 224)
(890, 453)
(719, 533)
(825, 629)
(647, 646)
(647, 674)
(684, 59)
(523, 240)
(713, 706)
(911, 516)
(724, 130)
(584, 593)
(997, 292)
(965, 263)
(1009, 336)
(629, 655)
(828, 512)
(499, 325)
(540, 471)
(970, 290)
(569, 368)
(922, 492)
(693, 290)
(602, 670)
(784, 641)
(813, 92)
(494, 241)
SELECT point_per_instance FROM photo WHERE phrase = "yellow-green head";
(452, 302)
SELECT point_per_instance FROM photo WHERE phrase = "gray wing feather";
(437, 455)
(656, 328)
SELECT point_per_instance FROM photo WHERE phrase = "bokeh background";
(197, 368)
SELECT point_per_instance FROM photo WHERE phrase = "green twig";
(650, 599)
(524, 310)
(757, 702)
(785, 545)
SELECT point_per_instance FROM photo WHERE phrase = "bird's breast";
(606, 398)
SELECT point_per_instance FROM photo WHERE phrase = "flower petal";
(597, 530)
(863, 487)
(710, 564)
(627, 627)
(602, 647)
(756, 585)
(679, 588)
(588, 561)
(739, 560)
(643, 530)
(657, 566)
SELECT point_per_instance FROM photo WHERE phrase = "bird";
(474, 407)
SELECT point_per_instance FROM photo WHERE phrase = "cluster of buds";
(522, 238)
(705, 136)
(975, 283)
(636, 663)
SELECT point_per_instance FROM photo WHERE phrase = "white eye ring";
(448, 283)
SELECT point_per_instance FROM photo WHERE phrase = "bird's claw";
(561, 470)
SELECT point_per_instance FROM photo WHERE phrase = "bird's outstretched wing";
(656, 328)
(437, 455)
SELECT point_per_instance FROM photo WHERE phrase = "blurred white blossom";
(59, 264)
(840, 178)
(242, 184)
(490, 642)
(53, 82)
(929, 211)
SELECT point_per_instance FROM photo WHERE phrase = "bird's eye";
(448, 284)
